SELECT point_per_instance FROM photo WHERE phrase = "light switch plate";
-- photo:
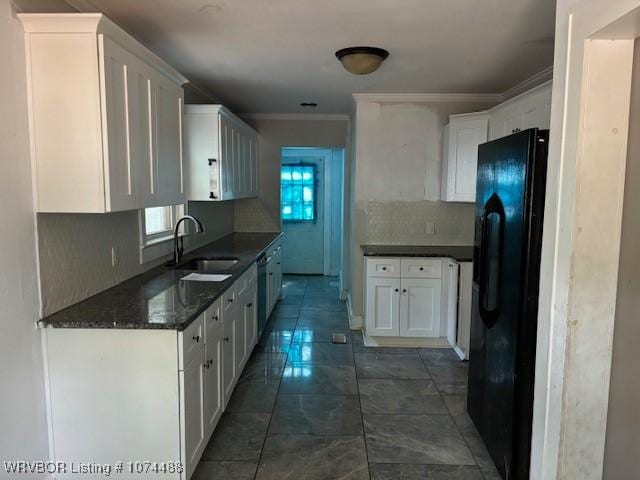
(430, 228)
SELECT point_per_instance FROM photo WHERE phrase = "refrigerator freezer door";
(501, 326)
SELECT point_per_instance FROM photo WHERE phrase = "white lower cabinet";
(193, 392)
(420, 307)
(154, 395)
(404, 297)
(383, 307)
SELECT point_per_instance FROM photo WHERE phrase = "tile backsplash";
(405, 223)
(75, 250)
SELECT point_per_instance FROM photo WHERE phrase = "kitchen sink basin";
(209, 264)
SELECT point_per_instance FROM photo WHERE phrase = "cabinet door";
(119, 90)
(239, 334)
(464, 136)
(226, 157)
(250, 320)
(450, 300)
(213, 400)
(420, 307)
(253, 165)
(271, 285)
(144, 137)
(169, 142)
(192, 386)
(228, 357)
(383, 307)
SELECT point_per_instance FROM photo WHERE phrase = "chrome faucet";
(178, 251)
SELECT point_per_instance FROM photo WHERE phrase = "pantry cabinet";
(221, 154)
(105, 117)
(462, 136)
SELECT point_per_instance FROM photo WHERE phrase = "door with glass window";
(302, 199)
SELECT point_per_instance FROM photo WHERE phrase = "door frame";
(585, 187)
(330, 156)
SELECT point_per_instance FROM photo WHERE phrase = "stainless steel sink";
(209, 264)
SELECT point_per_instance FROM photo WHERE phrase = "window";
(298, 192)
(158, 222)
(156, 231)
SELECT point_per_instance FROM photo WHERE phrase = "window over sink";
(156, 230)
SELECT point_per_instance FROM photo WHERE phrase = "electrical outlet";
(114, 256)
(430, 228)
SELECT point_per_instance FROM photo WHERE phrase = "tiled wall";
(75, 250)
(405, 223)
(252, 216)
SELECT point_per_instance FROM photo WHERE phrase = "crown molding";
(428, 97)
(335, 117)
(530, 83)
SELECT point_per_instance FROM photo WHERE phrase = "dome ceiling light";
(361, 60)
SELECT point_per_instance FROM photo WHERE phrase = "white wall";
(23, 428)
(396, 175)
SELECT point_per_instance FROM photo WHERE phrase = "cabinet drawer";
(383, 267)
(190, 341)
(228, 300)
(212, 320)
(421, 268)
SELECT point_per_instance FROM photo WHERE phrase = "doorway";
(311, 206)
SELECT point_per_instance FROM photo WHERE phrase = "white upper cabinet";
(221, 154)
(532, 109)
(105, 117)
(465, 132)
(462, 136)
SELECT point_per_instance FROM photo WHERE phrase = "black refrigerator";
(506, 272)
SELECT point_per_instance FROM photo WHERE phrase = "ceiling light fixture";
(361, 60)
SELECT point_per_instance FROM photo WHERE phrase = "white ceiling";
(267, 56)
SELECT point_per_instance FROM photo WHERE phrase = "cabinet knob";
(422, 269)
(384, 269)
(226, 339)
(270, 273)
(196, 338)
(206, 365)
(250, 304)
(230, 300)
(211, 161)
(210, 361)
(397, 289)
(216, 318)
(212, 196)
(278, 263)
(404, 290)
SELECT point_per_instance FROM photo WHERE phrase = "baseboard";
(459, 352)
(440, 342)
(356, 322)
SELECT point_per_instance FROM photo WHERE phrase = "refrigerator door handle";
(491, 255)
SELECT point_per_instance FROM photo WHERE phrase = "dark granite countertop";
(157, 299)
(458, 253)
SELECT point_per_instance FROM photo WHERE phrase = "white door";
(383, 307)
(420, 307)
(169, 142)
(228, 357)
(450, 300)
(303, 239)
(193, 391)
(213, 401)
(465, 134)
(119, 88)
(250, 320)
